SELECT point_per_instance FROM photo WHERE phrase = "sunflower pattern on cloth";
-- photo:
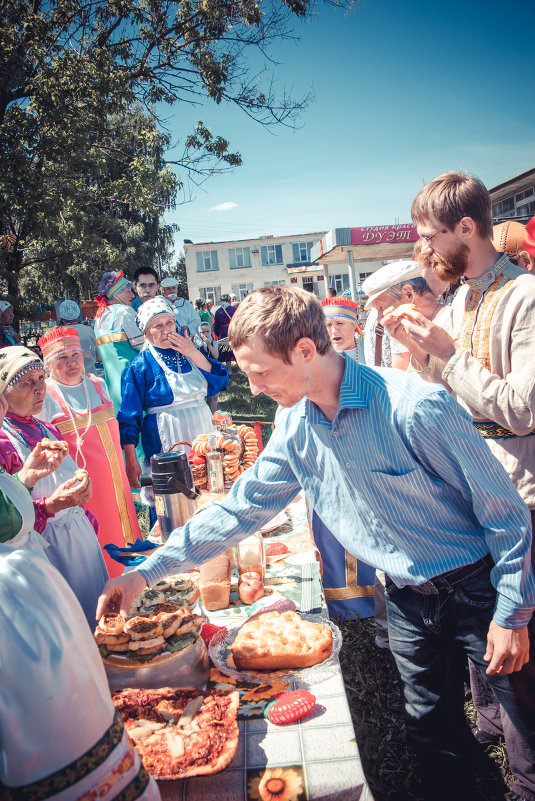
(276, 784)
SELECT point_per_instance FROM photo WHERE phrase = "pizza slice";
(181, 733)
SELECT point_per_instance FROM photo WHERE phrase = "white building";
(514, 199)
(236, 267)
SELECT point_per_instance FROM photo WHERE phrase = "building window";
(212, 293)
(339, 282)
(207, 260)
(241, 290)
(275, 283)
(527, 210)
(239, 257)
(524, 195)
(271, 254)
(310, 285)
(505, 207)
(301, 252)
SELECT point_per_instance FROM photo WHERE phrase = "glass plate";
(279, 520)
(221, 657)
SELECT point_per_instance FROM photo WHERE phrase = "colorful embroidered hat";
(15, 362)
(397, 272)
(340, 307)
(508, 237)
(152, 308)
(58, 341)
(529, 238)
(120, 283)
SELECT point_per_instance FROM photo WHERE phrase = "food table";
(315, 758)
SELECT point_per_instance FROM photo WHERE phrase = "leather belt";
(434, 585)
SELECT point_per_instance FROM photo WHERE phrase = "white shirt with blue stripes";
(401, 478)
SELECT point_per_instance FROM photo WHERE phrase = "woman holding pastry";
(68, 529)
(80, 407)
(17, 516)
(164, 388)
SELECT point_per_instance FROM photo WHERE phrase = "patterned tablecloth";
(316, 758)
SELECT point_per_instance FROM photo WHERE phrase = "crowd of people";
(416, 452)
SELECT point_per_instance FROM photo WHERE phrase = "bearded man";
(483, 352)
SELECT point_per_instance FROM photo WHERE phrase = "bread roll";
(278, 641)
(214, 583)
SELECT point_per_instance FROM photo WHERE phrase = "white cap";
(4, 306)
(388, 276)
(169, 282)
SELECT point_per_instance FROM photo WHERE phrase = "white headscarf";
(152, 308)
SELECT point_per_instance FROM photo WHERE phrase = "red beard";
(453, 266)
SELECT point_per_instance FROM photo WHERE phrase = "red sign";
(380, 234)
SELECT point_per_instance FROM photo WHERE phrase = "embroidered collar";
(488, 277)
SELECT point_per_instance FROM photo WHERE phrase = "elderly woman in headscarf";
(119, 339)
(67, 527)
(168, 383)
(9, 334)
(81, 408)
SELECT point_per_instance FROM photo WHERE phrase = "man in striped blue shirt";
(396, 470)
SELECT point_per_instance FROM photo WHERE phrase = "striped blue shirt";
(401, 478)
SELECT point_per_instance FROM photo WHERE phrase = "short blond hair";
(281, 316)
(450, 197)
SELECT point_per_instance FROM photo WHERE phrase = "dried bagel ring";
(242, 430)
(197, 444)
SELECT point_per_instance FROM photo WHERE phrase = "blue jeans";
(430, 637)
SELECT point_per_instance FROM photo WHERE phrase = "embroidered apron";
(111, 501)
(188, 416)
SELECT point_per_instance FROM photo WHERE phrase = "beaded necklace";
(9, 426)
(89, 412)
(172, 358)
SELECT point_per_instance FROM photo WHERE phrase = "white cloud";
(225, 206)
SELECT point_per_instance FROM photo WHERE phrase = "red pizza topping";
(180, 733)
(291, 706)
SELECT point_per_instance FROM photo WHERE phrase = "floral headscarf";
(15, 362)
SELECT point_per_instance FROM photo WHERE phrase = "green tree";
(77, 194)
(98, 209)
(178, 271)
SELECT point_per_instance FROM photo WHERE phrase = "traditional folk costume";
(119, 339)
(85, 418)
(169, 389)
(60, 737)
(347, 581)
(492, 375)
(70, 533)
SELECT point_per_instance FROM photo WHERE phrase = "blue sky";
(403, 91)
